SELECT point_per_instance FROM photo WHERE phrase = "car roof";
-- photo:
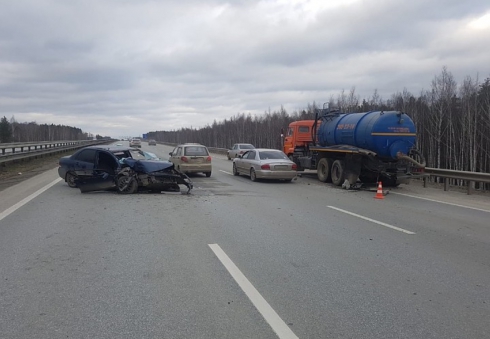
(243, 144)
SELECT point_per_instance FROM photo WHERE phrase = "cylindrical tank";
(385, 133)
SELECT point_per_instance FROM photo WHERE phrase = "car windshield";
(247, 147)
(195, 151)
(264, 155)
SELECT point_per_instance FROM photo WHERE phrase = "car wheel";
(235, 171)
(253, 175)
(126, 185)
(337, 172)
(70, 179)
(208, 174)
(228, 156)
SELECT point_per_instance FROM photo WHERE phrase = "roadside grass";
(13, 173)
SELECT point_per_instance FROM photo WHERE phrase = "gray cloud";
(128, 67)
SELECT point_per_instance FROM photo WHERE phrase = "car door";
(251, 160)
(239, 163)
(175, 156)
(106, 162)
(84, 162)
(246, 159)
(102, 174)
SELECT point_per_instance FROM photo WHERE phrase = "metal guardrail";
(28, 146)
(469, 177)
(41, 148)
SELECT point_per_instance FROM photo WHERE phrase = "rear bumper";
(62, 172)
(188, 168)
(276, 174)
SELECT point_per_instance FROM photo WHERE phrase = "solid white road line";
(24, 201)
(443, 202)
(278, 325)
(372, 220)
(226, 172)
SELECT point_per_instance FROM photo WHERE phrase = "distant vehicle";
(264, 163)
(152, 142)
(238, 149)
(96, 168)
(191, 158)
(135, 142)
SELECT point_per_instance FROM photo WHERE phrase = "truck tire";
(323, 170)
(337, 172)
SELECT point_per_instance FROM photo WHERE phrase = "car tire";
(235, 170)
(253, 175)
(70, 179)
(122, 181)
(208, 174)
(338, 172)
(228, 156)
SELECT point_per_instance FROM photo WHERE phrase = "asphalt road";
(237, 259)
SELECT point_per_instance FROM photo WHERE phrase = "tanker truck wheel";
(338, 172)
(323, 170)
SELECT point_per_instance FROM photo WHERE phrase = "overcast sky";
(126, 67)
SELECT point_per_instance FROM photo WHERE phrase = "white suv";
(135, 142)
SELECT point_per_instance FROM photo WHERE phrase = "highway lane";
(106, 265)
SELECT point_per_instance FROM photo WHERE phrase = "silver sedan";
(264, 163)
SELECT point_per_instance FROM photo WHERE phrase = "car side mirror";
(170, 154)
(240, 156)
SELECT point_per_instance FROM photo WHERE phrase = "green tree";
(5, 130)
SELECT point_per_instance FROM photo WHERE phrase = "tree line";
(452, 121)
(13, 131)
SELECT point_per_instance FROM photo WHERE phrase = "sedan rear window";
(272, 155)
(195, 151)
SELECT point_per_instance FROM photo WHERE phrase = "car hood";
(148, 166)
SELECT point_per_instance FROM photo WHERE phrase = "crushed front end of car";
(138, 175)
(155, 176)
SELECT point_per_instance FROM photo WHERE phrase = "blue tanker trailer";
(347, 148)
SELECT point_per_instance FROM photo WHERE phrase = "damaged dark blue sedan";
(97, 168)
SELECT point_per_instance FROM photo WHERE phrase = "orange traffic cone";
(379, 192)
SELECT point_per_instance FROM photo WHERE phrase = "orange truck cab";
(298, 135)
